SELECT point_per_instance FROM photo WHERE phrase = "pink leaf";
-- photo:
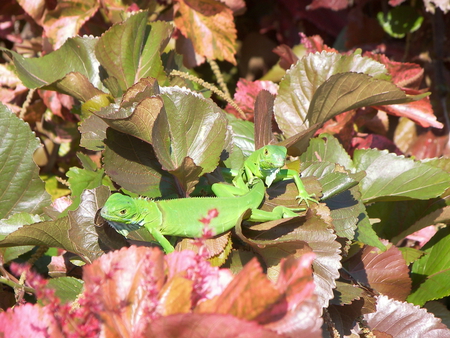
(335, 5)
(420, 112)
(246, 93)
(201, 325)
(28, 321)
(123, 287)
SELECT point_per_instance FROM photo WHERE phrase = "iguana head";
(272, 159)
(121, 213)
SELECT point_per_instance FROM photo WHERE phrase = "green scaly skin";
(266, 163)
(182, 216)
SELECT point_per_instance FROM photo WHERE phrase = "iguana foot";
(307, 198)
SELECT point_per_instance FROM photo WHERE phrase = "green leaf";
(324, 159)
(55, 188)
(66, 288)
(365, 233)
(189, 126)
(327, 148)
(16, 221)
(75, 55)
(93, 132)
(432, 270)
(347, 91)
(408, 216)
(243, 134)
(21, 189)
(10, 225)
(75, 232)
(400, 20)
(410, 255)
(393, 177)
(131, 49)
(321, 86)
(80, 180)
(301, 81)
(132, 164)
(242, 143)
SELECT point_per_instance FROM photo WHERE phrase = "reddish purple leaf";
(315, 44)
(420, 112)
(368, 141)
(404, 74)
(287, 56)
(405, 320)
(246, 93)
(385, 272)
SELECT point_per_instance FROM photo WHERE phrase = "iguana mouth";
(271, 175)
(124, 229)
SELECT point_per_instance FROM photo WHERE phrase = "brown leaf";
(248, 295)
(175, 296)
(210, 26)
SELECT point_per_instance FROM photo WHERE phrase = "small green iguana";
(266, 163)
(182, 216)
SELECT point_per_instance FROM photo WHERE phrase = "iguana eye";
(123, 211)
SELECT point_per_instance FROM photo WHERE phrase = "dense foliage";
(100, 97)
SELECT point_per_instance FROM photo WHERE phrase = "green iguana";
(183, 216)
(266, 163)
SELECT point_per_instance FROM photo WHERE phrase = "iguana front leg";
(163, 241)
(286, 174)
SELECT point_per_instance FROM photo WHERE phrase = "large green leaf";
(320, 86)
(132, 164)
(408, 216)
(75, 232)
(190, 126)
(327, 160)
(301, 81)
(75, 55)
(21, 189)
(66, 288)
(82, 179)
(432, 270)
(242, 144)
(347, 91)
(392, 177)
(131, 50)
